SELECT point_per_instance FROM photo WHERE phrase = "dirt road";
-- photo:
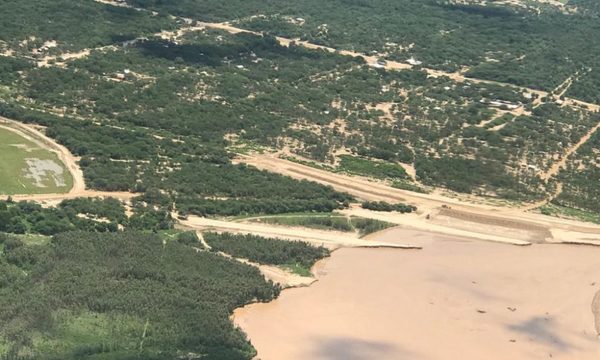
(330, 239)
(441, 214)
(556, 167)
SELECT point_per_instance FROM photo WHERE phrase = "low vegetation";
(315, 221)
(367, 226)
(570, 213)
(404, 185)
(375, 169)
(385, 206)
(362, 226)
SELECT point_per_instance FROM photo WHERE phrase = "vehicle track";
(481, 221)
(371, 60)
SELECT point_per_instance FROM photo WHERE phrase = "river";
(454, 299)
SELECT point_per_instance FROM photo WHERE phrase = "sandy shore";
(455, 299)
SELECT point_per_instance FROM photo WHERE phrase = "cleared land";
(439, 213)
(26, 167)
(330, 239)
(28, 138)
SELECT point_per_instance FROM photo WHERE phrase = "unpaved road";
(556, 167)
(330, 239)
(438, 213)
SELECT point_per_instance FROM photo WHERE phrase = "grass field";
(26, 168)
(362, 226)
(86, 333)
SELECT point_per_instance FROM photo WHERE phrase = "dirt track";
(556, 167)
(441, 214)
(567, 230)
(330, 239)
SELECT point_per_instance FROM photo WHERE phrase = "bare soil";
(482, 221)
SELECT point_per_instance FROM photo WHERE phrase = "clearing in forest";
(27, 168)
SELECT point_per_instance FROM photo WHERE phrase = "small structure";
(504, 105)
(414, 62)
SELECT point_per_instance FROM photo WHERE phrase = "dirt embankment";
(479, 221)
(536, 232)
(329, 239)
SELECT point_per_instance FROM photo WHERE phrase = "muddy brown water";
(455, 299)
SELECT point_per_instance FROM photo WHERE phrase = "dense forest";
(122, 296)
(73, 25)
(89, 214)
(266, 251)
